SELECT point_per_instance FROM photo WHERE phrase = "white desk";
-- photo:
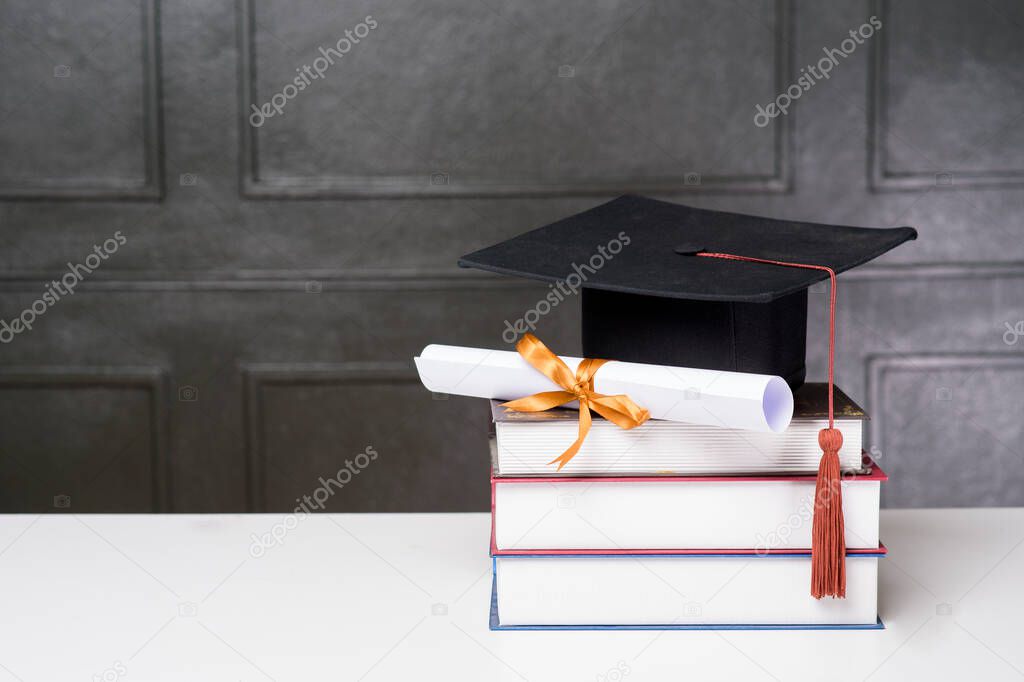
(405, 597)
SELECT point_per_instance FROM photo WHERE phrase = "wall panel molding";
(880, 178)
(422, 279)
(256, 377)
(880, 367)
(419, 186)
(148, 187)
(151, 379)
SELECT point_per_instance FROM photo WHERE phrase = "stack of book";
(675, 525)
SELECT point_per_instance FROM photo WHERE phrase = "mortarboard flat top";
(651, 263)
(647, 298)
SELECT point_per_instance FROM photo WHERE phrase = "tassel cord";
(828, 545)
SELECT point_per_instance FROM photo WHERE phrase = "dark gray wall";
(256, 328)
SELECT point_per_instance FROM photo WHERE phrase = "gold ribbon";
(619, 409)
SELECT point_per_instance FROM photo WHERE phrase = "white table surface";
(405, 597)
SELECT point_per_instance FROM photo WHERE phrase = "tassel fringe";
(828, 543)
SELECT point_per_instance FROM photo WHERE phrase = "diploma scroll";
(734, 400)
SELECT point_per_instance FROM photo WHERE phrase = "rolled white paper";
(735, 400)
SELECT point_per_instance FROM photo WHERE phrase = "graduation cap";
(668, 284)
(646, 297)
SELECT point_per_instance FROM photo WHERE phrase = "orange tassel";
(828, 542)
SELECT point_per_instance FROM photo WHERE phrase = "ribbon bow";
(619, 409)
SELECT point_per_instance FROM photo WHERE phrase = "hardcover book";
(669, 591)
(527, 441)
(635, 515)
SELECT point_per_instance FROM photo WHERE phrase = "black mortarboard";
(646, 298)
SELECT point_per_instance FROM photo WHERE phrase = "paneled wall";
(254, 330)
